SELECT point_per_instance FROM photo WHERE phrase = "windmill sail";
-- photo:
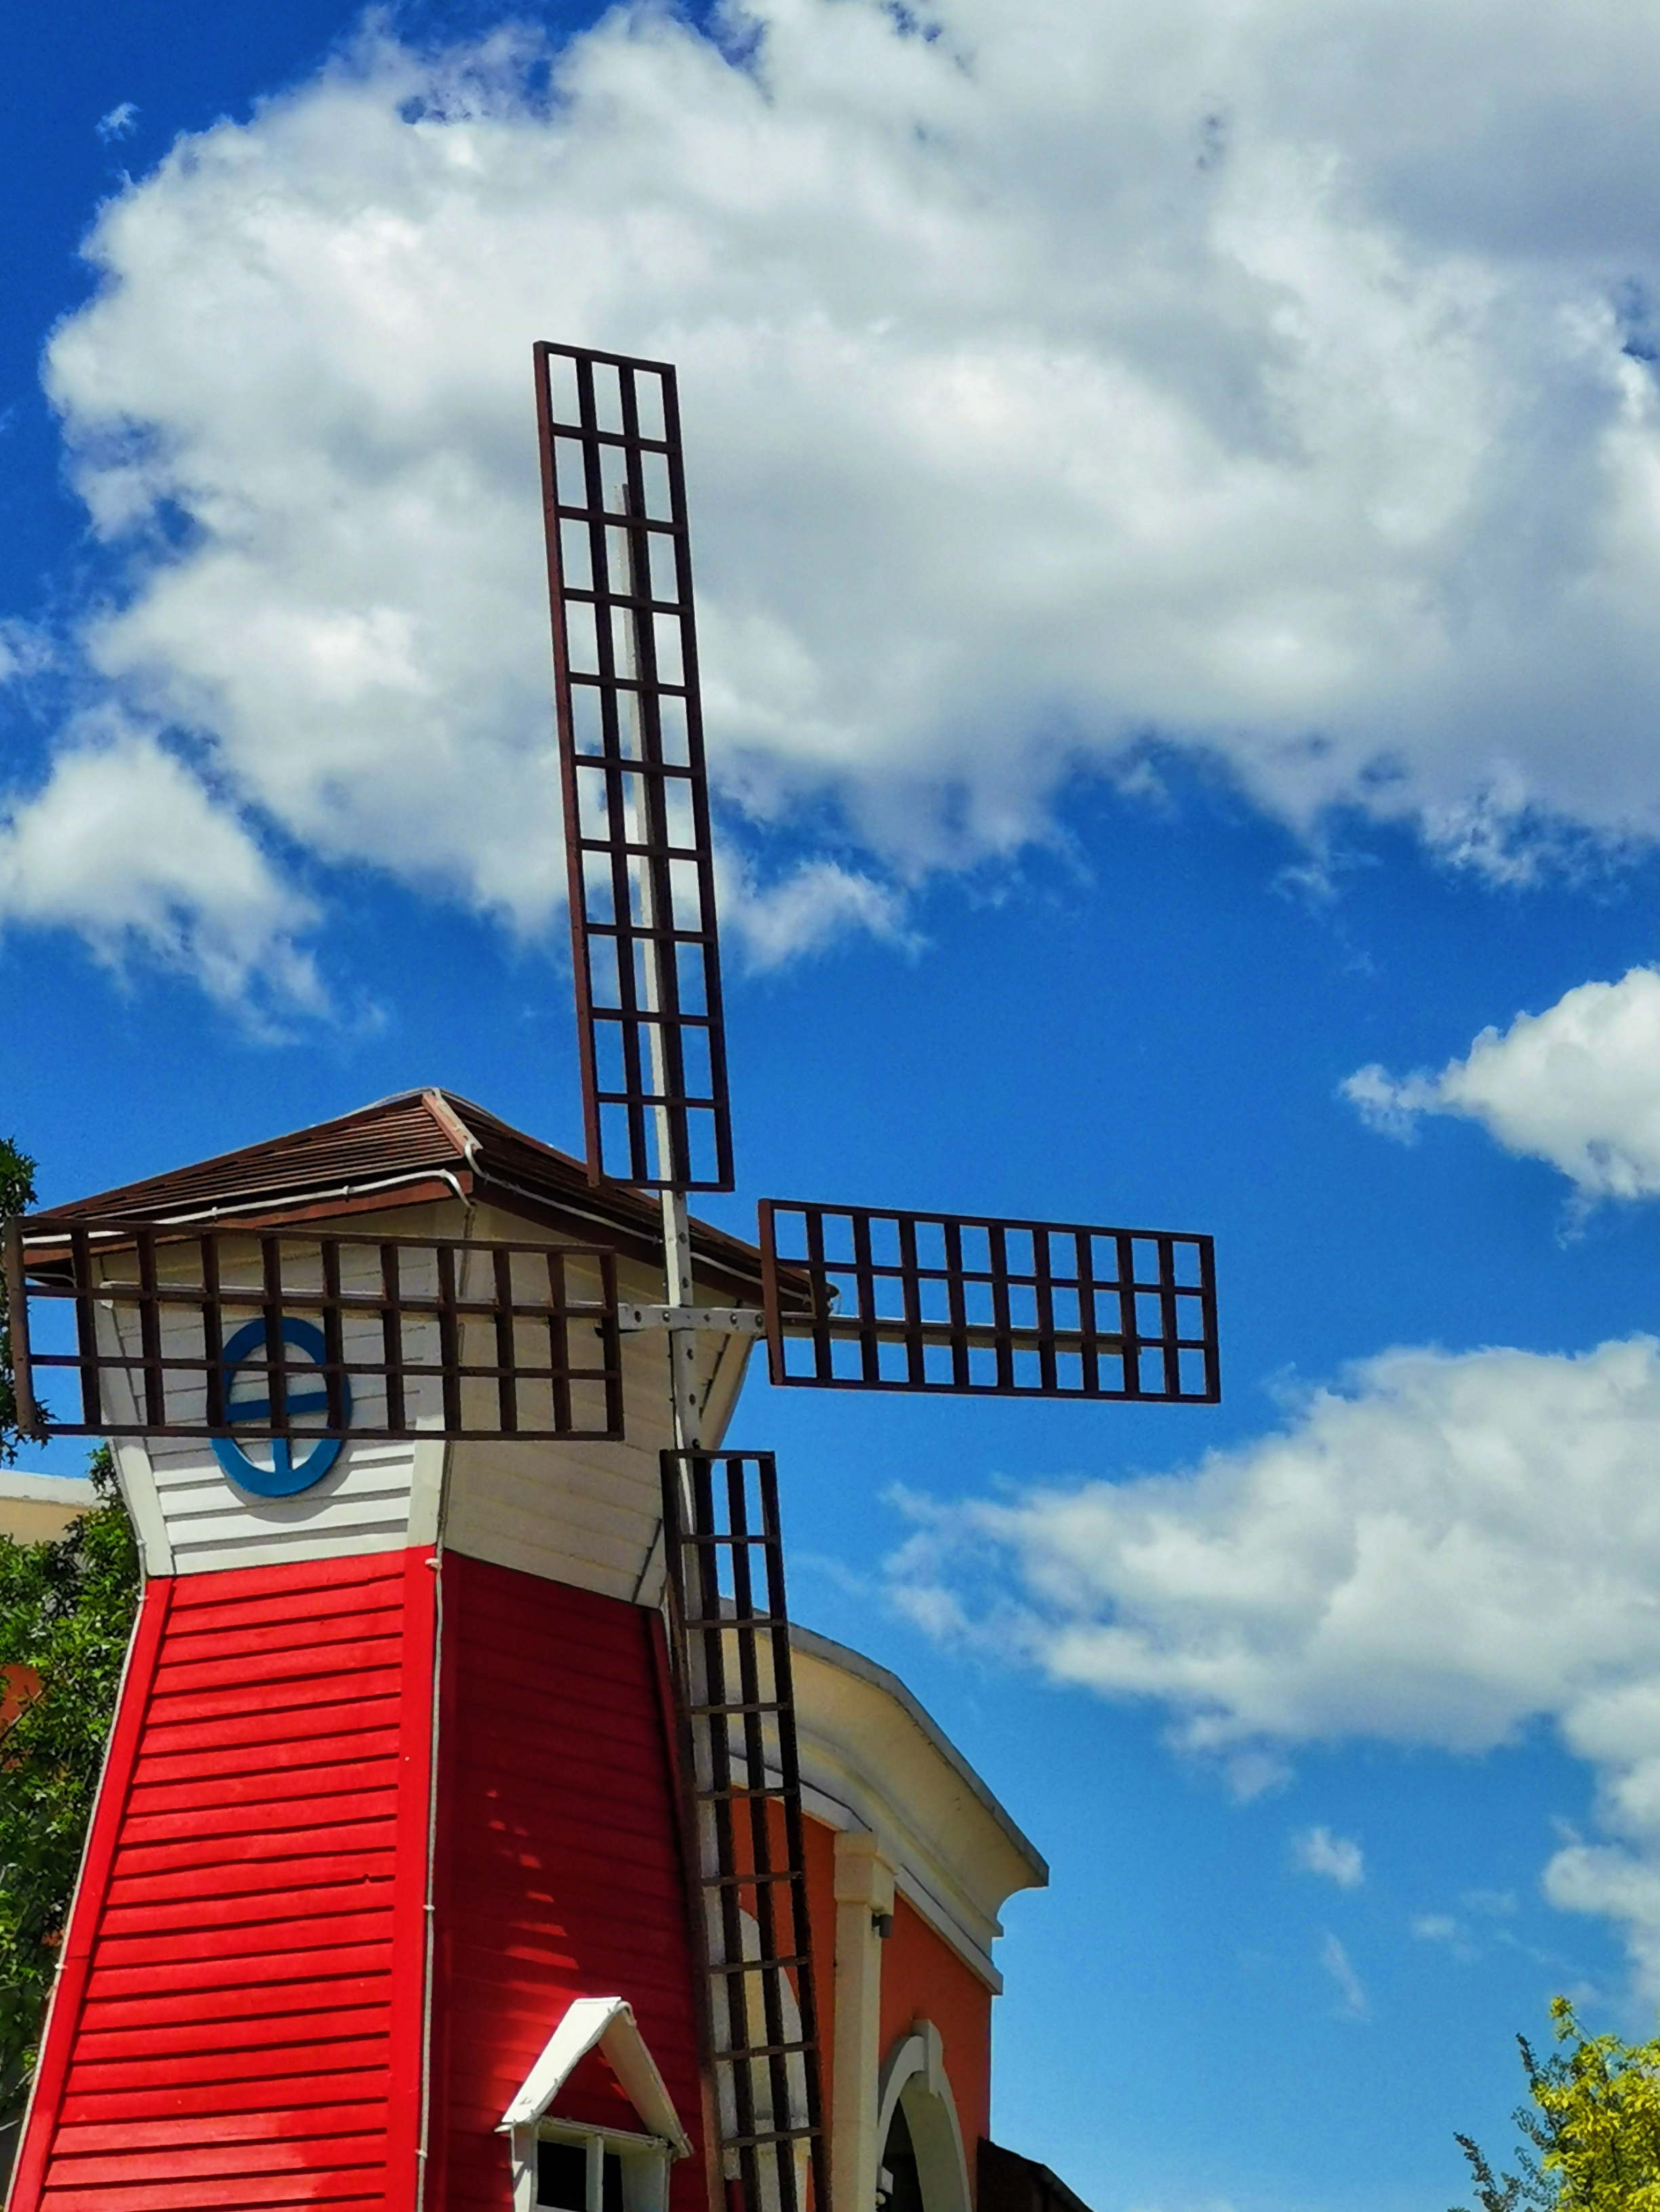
(250, 1334)
(631, 751)
(987, 1307)
(732, 1671)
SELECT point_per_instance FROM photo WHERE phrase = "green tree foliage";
(16, 1196)
(66, 1611)
(1593, 2131)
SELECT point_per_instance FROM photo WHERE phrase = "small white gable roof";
(607, 2023)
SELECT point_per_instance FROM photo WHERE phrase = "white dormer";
(570, 2166)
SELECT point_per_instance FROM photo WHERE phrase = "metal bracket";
(719, 1321)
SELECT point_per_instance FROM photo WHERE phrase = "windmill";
(893, 1300)
(330, 1347)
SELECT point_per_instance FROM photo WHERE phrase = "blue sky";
(1175, 510)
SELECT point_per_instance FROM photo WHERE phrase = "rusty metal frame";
(991, 1308)
(642, 914)
(74, 1267)
(729, 1639)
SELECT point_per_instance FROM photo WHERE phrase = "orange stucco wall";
(923, 1978)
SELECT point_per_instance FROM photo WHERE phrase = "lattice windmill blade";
(309, 1336)
(985, 1307)
(643, 928)
(730, 1640)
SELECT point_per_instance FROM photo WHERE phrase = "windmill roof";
(413, 1147)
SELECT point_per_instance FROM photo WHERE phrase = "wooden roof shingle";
(406, 1149)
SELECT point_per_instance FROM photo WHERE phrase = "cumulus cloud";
(1337, 1858)
(1578, 1085)
(126, 844)
(1054, 379)
(805, 910)
(1447, 1551)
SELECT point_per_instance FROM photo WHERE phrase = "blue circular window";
(285, 1476)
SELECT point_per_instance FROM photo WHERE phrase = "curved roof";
(413, 1147)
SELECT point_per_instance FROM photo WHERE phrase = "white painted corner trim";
(915, 2072)
(608, 2024)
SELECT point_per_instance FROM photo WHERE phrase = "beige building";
(35, 1508)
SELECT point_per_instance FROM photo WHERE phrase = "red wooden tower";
(393, 1793)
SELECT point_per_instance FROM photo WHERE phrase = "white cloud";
(1351, 1996)
(120, 123)
(818, 902)
(1053, 377)
(1338, 1858)
(1446, 1552)
(1443, 1928)
(126, 844)
(1578, 1085)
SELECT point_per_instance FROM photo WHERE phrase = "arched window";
(922, 2166)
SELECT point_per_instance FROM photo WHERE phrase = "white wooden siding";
(583, 1513)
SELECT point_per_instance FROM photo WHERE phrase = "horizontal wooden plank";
(365, 1493)
(321, 1586)
(358, 1513)
(376, 1587)
(349, 2186)
(587, 1881)
(228, 1750)
(145, 2135)
(235, 1678)
(604, 1533)
(245, 1877)
(191, 1503)
(273, 1675)
(335, 1706)
(218, 1970)
(232, 2073)
(326, 1773)
(567, 1613)
(185, 1821)
(367, 1923)
(254, 1642)
(551, 1567)
(270, 1908)
(270, 1999)
(169, 1845)
(518, 1983)
(203, 1562)
(599, 1799)
(329, 2151)
(352, 1744)
(213, 2038)
(268, 2096)
(284, 1613)
(605, 1716)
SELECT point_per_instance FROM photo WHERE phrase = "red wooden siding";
(559, 1858)
(239, 2020)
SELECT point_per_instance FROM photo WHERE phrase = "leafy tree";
(66, 1611)
(16, 1196)
(1593, 2131)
